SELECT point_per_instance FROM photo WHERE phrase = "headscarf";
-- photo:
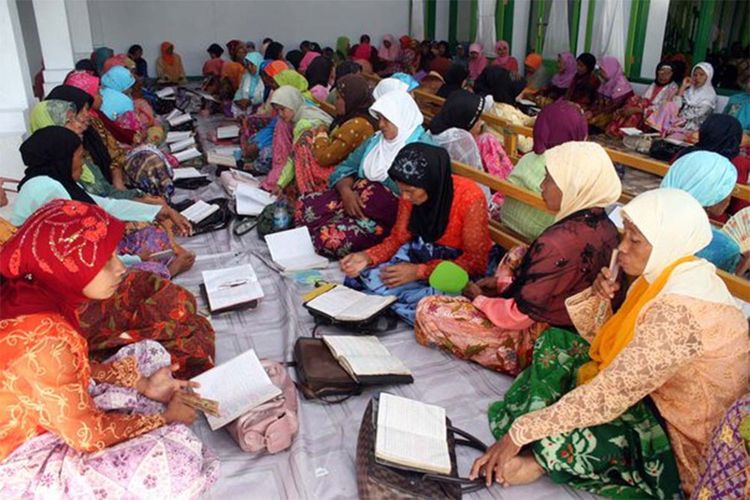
(319, 72)
(676, 227)
(502, 61)
(249, 81)
(617, 85)
(274, 51)
(168, 58)
(100, 56)
(585, 174)
(410, 81)
(500, 83)
(291, 98)
(564, 77)
(50, 113)
(476, 66)
(232, 46)
(428, 167)
(389, 54)
(307, 59)
(54, 255)
(295, 58)
(49, 152)
(701, 95)
(114, 83)
(454, 80)
(293, 79)
(355, 91)
(708, 177)
(342, 48)
(275, 67)
(558, 123)
(588, 60)
(534, 60)
(84, 81)
(347, 68)
(387, 85)
(118, 60)
(738, 106)
(69, 93)
(85, 65)
(461, 110)
(363, 51)
(719, 133)
(399, 108)
(405, 42)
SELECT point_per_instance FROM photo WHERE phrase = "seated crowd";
(622, 380)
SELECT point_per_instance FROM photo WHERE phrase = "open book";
(231, 288)
(293, 250)
(222, 155)
(228, 132)
(179, 119)
(180, 145)
(187, 154)
(412, 434)
(238, 385)
(367, 360)
(342, 303)
(252, 200)
(175, 136)
(198, 211)
(186, 173)
(166, 93)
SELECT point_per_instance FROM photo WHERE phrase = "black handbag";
(664, 150)
(214, 222)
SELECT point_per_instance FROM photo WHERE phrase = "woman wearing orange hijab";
(169, 65)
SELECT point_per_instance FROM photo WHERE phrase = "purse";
(319, 374)
(376, 480)
(214, 222)
(664, 150)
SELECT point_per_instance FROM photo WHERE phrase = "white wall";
(30, 36)
(193, 25)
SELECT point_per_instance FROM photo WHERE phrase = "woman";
(738, 106)
(710, 179)
(561, 81)
(638, 109)
(679, 338)
(101, 426)
(454, 80)
(556, 124)
(363, 51)
(100, 56)
(319, 76)
(585, 83)
(274, 52)
(441, 217)
(250, 93)
(213, 66)
(135, 53)
(441, 61)
(116, 104)
(359, 208)
(533, 285)
(343, 46)
(389, 55)
(410, 55)
(504, 59)
(477, 61)
(306, 60)
(234, 69)
(536, 75)
(504, 88)
(461, 58)
(696, 99)
(169, 65)
(613, 93)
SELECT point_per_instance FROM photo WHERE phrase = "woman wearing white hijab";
(387, 85)
(679, 338)
(360, 207)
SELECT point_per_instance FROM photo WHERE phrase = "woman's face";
(412, 194)
(699, 77)
(387, 44)
(581, 68)
(251, 68)
(529, 70)
(72, 123)
(77, 163)
(502, 51)
(340, 105)
(460, 51)
(719, 209)
(170, 49)
(477, 128)
(83, 117)
(241, 53)
(285, 113)
(473, 55)
(551, 194)
(389, 130)
(106, 281)
(269, 81)
(664, 75)
(634, 250)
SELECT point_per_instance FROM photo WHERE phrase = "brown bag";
(319, 375)
(379, 481)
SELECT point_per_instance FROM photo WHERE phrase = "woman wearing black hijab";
(454, 80)
(461, 110)
(274, 51)
(319, 72)
(500, 84)
(294, 57)
(582, 90)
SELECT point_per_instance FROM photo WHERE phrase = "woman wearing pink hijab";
(558, 86)
(504, 59)
(613, 93)
(389, 50)
(477, 61)
(309, 57)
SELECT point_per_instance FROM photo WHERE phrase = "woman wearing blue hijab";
(251, 90)
(115, 83)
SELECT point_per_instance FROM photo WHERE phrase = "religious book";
(181, 145)
(186, 173)
(166, 93)
(222, 156)
(187, 154)
(175, 136)
(232, 288)
(179, 119)
(198, 211)
(367, 360)
(228, 132)
(239, 385)
(251, 200)
(344, 304)
(412, 434)
(293, 250)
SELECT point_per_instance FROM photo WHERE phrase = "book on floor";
(223, 156)
(228, 132)
(166, 93)
(231, 288)
(412, 434)
(179, 119)
(187, 154)
(239, 385)
(186, 173)
(199, 210)
(251, 200)
(367, 360)
(293, 250)
(180, 145)
(343, 304)
(176, 136)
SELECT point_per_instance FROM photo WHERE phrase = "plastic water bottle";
(280, 215)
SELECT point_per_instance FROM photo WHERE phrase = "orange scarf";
(618, 331)
(166, 56)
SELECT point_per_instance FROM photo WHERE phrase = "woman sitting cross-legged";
(497, 328)
(441, 217)
(630, 414)
(69, 426)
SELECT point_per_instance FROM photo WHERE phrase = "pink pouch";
(272, 425)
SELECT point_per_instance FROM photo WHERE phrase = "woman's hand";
(181, 224)
(605, 286)
(488, 286)
(491, 463)
(153, 200)
(178, 412)
(243, 103)
(472, 291)
(399, 274)
(353, 204)
(354, 263)
(160, 386)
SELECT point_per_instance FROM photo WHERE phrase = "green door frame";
(504, 21)
(453, 23)
(430, 14)
(474, 21)
(576, 17)
(705, 17)
(589, 25)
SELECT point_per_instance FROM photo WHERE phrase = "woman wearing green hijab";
(342, 49)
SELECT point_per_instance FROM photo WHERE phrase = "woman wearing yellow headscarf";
(677, 351)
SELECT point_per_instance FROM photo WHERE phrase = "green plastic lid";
(449, 278)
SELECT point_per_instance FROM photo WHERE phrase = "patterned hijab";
(49, 113)
(53, 256)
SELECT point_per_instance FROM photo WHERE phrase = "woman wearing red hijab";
(169, 65)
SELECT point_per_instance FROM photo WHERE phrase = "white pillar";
(80, 28)
(54, 36)
(15, 91)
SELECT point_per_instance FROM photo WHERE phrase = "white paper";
(179, 120)
(228, 132)
(615, 215)
(412, 433)
(180, 145)
(251, 200)
(187, 154)
(238, 385)
(173, 114)
(213, 158)
(186, 173)
(346, 304)
(175, 136)
(630, 131)
(364, 355)
(165, 92)
(526, 102)
(293, 250)
(231, 286)
(206, 95)
(199, 211)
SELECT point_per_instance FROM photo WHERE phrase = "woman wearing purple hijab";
(558, 87)
(556, 124)
(612, 95)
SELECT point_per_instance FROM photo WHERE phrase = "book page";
(179, 120)
(412, 434)
(252, 200)
(186, 173)
(183, 144)
(231, 286)
(199, 211)
(364, 366)
(187, 154)
(293, 250)
(346, 304)
(165, 92)
(238, 385)
(351, 345)
(228, 132)
(177, 136)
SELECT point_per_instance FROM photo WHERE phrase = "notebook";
(180, 145)
(175, 136)
(187, 154)
(231, 288)
(239, 385)
(198, 211)
(251, 200)
(228, 132)
(342, 303)
(367, 360)
(186, 173)
(293, 250)
(412, 434)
